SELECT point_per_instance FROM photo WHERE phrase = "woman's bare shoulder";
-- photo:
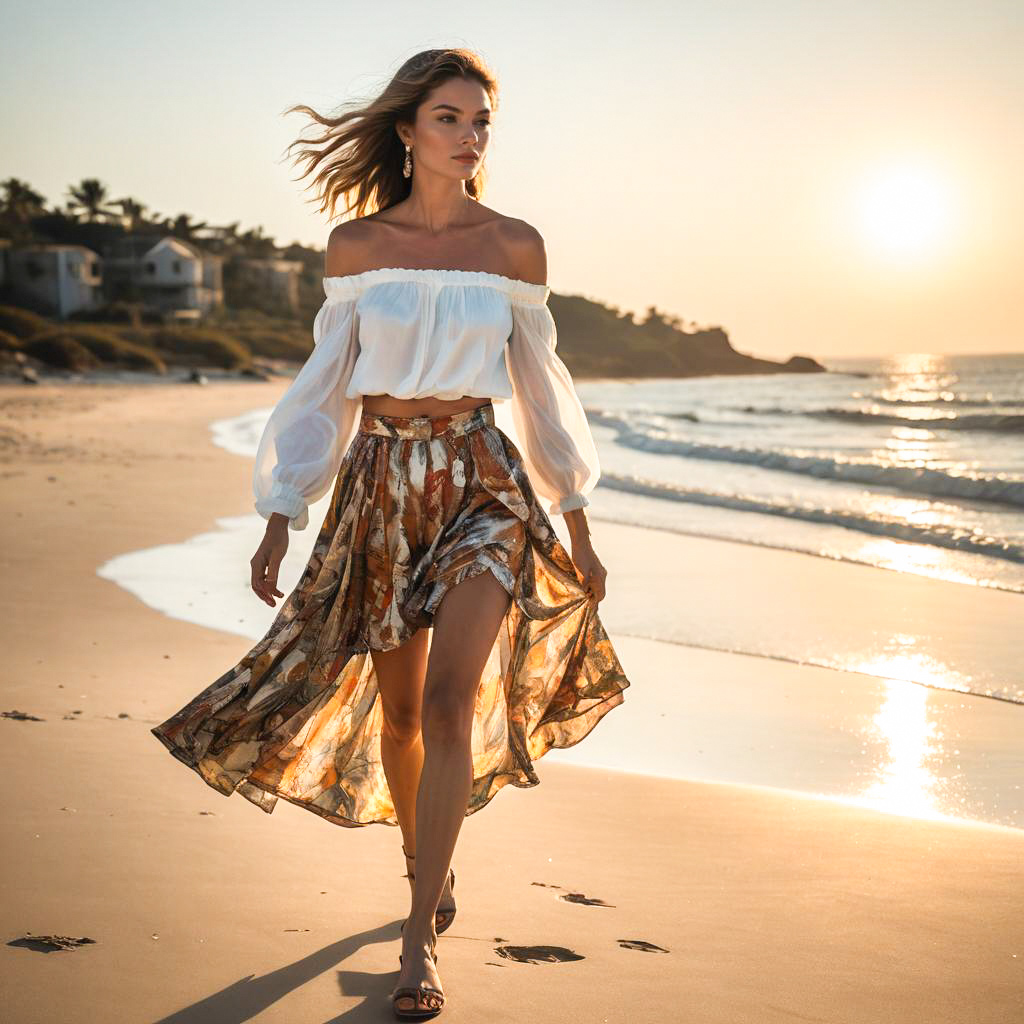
(525, 250)
(347, 247)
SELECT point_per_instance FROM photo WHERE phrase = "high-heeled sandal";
(434, 997)
(442, 918)
(433, 948)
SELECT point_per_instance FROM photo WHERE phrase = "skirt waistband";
(427, 426)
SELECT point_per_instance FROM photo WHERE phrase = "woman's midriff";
(388, 405)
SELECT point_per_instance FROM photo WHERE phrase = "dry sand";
(767, 906)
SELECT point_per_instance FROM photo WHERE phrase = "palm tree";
(91, 196)
(20, 201)
(131, 212)
(19, 205)
(183, 228)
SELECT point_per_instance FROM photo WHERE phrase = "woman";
(401, 682)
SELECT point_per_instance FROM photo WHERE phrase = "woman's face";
(452, 129)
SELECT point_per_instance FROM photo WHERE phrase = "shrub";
(118, 312)
(22, 323)
(201, 346)
(109, 348)
(276, 344)
(9, 343)
(137, 335)
(61, 351)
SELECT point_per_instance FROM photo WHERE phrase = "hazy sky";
(839, 178)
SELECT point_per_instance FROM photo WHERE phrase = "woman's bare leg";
(401, 674)
(400, 677)
(465, 624)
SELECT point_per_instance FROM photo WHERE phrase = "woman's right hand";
(267, 559)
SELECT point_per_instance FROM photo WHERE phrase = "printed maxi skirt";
(420, 503)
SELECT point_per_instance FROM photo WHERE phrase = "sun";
(905, 211)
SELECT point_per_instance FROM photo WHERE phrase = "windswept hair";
(359, 153)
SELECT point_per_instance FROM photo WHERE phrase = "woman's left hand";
(593, 573)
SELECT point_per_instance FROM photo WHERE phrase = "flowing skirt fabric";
(420, 503)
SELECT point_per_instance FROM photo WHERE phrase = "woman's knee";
(447, 715)
(402, 723)
(400, 674)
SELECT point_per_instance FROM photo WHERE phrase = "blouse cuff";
(568, 503)
(288, 501)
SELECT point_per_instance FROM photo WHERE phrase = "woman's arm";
(559, 451)
(313, 422)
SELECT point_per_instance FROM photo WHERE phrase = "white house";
(56, 279)
(166, 273)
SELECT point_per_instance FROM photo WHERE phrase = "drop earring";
(407, 166)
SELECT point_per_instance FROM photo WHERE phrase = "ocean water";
(913, 463)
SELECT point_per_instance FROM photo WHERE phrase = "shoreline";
(845, 715)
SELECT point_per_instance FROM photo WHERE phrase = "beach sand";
(760, 905)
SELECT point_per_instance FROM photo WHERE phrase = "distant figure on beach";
(440, 639)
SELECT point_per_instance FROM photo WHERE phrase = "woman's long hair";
(359, 153)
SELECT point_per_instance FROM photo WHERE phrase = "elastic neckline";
(350, 285)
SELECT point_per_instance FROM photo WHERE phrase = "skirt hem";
(526, 780)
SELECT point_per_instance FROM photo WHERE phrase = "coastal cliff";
(595, 340)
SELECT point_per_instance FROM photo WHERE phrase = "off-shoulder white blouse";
(415, 333)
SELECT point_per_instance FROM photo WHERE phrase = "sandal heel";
(443, 919)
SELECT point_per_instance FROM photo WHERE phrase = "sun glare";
(905, 212)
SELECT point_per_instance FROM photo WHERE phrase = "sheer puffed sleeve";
(313, 423)
(558, 448)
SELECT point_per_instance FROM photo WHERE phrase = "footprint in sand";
(575, 897)
(646, 947)
(49, 943)
(538, 954)
(587, 901)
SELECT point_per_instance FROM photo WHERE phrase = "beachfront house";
(56, 280)
(166, 273)
(275, 279)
